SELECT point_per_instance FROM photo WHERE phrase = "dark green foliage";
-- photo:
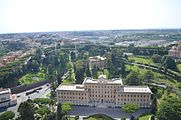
(35, 66)
(94, 72)
(87, 71)
(50, 116)
(41, 100)
(38, 54)
(123, 71)
(50, 69)
(7, 115)
(152, 117)
(130, 107)
(148, 76)
(132, 79)
(59, 114)
(170, 109)
(43, 110)
(170, 63)
(100, 117)
(156, 58)
(26, 111)
(79, 72)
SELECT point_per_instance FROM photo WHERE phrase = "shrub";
(41, 101)
(7, 115)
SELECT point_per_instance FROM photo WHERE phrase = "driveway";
(116, 113)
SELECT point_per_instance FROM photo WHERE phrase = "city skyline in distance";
(69, 15)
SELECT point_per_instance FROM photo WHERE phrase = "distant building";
(101, 91)
(97, 61)
(175, 52)
(6, 98)
(11, 57)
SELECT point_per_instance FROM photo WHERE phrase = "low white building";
(6, 98)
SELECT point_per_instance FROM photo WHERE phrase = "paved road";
(22, 97)
(116, 113)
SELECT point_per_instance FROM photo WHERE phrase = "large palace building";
(101, 91)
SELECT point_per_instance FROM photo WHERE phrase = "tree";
(59, 78)
(148, 76)
(170, 109)
(50, 69)
(8, 115)
(123, 71)
(50, 116)
(130, 108)
(26, 111)
(170, 63)
(156, 58)
(43, 110)
(79, 72)
(66, 107)
(59, 112)
(88, 73)
(35, 66)
(38, 54)
(132, 78)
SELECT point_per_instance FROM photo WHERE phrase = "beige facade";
(97, 61)
(175, 51)
(110, 93)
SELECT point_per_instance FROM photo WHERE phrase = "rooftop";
(4, 91)
(102, 79)
(136, 89)
(75, 87)
(96, 58)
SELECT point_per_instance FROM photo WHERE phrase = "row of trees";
(167, 61)
(43, 109)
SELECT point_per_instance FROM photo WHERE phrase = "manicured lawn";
(32, 78)
(99, 117)
(145, 117)
(141, 60)
(161, 78)
(179, 67)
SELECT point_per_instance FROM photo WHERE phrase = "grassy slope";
(30, 78)
(141, 60)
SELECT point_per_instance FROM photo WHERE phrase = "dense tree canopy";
(132, 78)
(170, 63)
(26, 111)
(170, 109)
(156, 58)
(8, 115)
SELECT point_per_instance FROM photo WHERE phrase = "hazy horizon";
(22, 16)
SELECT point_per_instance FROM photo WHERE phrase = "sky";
(68, 15)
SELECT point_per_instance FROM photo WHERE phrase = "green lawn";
(161, 78)
(145, 117)
(179, 67)
(32, 78)
(99, 117)
(141, 60)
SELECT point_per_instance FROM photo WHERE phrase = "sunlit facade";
(101, 91)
